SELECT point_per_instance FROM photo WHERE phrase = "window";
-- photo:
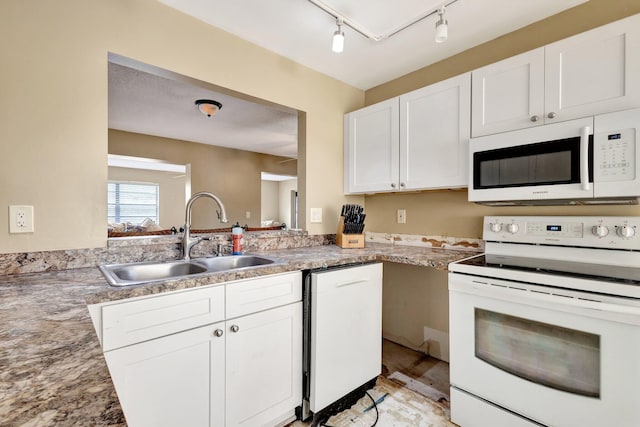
(132, 202)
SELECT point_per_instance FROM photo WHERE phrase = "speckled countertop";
(53, 371)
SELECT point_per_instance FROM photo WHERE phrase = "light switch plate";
(315, 215)
(20, 219)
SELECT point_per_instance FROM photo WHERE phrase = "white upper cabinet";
(591, 73)
(371, 138)
(508, 94)
(434, 135)
(594, 72)
(417, 141)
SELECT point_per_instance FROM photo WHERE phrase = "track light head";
(442, 27)
(338, 38)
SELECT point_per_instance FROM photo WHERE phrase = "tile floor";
(414, 389)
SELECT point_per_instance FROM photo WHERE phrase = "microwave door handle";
(584, 158)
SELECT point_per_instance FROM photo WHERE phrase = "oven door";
(559, 360)
(548, 162)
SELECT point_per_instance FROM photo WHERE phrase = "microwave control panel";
(614, 155)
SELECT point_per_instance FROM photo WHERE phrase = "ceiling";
(162, 103)
(299, 30)
(146, 103)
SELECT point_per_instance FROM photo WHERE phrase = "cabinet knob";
(535, 118)
(393, 185)
(402, 184)
(235, 328)
(218, 332)
(551, 115)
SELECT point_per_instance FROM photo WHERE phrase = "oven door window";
(546, 163)
(556, 357)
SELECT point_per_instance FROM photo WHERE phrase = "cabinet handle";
(535, 118)
(551, 115)
(218, 332)
(402, 184)
(235, 328)
(393, 185)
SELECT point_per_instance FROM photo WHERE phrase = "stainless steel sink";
(143, 272)
(232, 262)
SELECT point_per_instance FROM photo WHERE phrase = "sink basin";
(232, 262)
(143, 272)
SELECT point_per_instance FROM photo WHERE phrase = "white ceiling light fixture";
(208, 107)
(338, 37)
(442, 27)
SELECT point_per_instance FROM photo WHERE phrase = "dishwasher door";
(346, 331)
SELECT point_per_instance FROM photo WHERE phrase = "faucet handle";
(219, 250)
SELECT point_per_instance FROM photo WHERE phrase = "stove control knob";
(513, 228)
(496, 227)
(600, 230)
(626, 231)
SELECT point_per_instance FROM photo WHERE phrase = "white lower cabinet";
(177, 380)
(243, 371)
(264, 366)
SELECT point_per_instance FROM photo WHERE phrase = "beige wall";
(232, 175)
(415, 298)
(54, 106)
(284, 200)
(276, 200)
(269, 201)
(171, 189)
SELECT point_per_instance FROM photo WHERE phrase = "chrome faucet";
(187, 241)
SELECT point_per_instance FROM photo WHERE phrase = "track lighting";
(441, 35)
(338, 38)
(208, 107)
(442, 28)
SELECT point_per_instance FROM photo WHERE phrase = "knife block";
(348, 241)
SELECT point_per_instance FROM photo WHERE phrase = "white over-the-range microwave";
(593, 160)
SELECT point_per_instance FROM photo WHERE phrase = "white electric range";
(545, 325)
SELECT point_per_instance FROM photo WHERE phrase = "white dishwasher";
(342, 337)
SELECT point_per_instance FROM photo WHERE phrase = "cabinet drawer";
(250, 296)
(144, 319)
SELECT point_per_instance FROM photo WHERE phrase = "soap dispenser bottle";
(236, 238)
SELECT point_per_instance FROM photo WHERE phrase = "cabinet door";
(264, 366)
(509, 94)
(594, 72)
(177, 380)
(371, 139)
(434, 135)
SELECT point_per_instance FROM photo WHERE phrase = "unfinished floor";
(413, 390)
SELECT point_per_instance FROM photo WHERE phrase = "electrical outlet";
(21, 219)
(402, 216)
(247, 214)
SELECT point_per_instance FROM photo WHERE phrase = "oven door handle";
(554, 300)
(584, 158)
